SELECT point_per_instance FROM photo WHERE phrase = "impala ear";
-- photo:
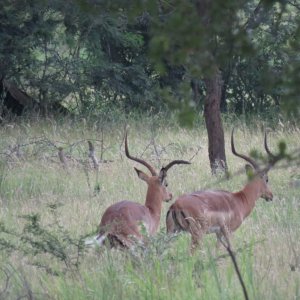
(142, 175)
(249, 171)
(162, 175)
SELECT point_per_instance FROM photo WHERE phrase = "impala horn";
(164, 170)
(273, 159)
(247, 158)
(144, 163)
(266, 145)
(175, 162)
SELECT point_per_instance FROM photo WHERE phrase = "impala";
(218, 211)
(123, 222)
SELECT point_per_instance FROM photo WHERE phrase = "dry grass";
(269, 240)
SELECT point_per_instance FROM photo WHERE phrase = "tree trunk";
(212, 114)
(223, 104)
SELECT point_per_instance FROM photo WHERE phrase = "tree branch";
(226, 245)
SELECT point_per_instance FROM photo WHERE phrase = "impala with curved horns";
(218, 211)
(122, 222)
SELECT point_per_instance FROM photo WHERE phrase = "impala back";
(125, 219)
(205, 211)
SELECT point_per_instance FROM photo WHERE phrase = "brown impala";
(123, 222)
(217, 211)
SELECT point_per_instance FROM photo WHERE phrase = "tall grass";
(34, 183)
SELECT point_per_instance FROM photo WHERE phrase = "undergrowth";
(48, 208)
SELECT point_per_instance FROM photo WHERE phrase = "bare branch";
(62, 157)
(196, 153)
(93, 156)
(256, 16)
(227, 246)
(294, 4)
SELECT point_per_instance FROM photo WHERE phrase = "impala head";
(260, 176)
(157, 182)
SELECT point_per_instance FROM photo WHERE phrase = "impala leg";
(196, 240)
(170, 222)
(197, 230)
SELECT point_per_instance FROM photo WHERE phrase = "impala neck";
(153, 202)
(249, 194)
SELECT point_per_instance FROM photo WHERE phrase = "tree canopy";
(145, 55)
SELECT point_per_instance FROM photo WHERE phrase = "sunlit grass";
(267, 243)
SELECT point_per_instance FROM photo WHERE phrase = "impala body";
(218, 211)
(125, 222)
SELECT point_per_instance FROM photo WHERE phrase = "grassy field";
(47, 209)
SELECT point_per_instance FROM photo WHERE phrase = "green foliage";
(92, 56)
(76, 53)
(253, 43)
(37, 241)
